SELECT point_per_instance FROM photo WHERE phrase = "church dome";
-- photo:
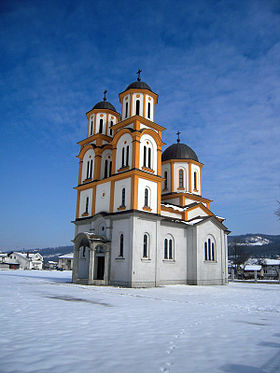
(139, 85)
(179, 151)
(104, 105)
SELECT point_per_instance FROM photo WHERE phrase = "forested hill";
(257, 244)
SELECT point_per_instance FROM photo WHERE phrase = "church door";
(100, 267)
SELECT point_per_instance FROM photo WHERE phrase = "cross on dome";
(105, 98)
(138, 73)
(178, 133)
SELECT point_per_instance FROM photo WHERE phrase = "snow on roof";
(272, 262)
(174, 207)
(252, 267)
(67, 256)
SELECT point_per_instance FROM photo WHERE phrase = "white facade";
(26, 260)
(142, 221)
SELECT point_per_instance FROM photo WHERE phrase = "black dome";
(104, 105)
(179, 151)
(139, 85)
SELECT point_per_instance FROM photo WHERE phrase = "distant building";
(251, 271)
(66, 261)
(25, 260)
(3, 257)
(50, 264)
(271, 268)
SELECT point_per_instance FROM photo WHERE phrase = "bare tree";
(238, 255)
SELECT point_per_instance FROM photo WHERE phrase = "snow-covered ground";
(51, 325)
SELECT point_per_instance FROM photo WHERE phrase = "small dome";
(104, 105)
(179, 151)
(139, 85)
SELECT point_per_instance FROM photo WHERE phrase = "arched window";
(149, 110)
(165, 180)
(90, 171)
(195, 180)
(209, 250)
(137, 111)
(127, 155)
(170, 249)
(149, 158)
(123, 150)
(126, 109)
(87, 202)
(146, 197)
(84, 251)
(123, 197)
(106, 168)
(110, 168)
(101, 126)
(121, 245)
(145, 156)
(166, 248)
(111, 125)
(181, 179)
(145, 246)
(91, 127)
(88, 168)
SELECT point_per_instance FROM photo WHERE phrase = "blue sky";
(214, 64)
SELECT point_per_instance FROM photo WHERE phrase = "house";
(50, 264)
(251, 271)
(25, 260)
(65, 261)
(141, 219)
(271, 268)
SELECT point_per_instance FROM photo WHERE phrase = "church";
(141, 219)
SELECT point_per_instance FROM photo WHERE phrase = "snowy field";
(51, 325)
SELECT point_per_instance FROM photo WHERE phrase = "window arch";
(181, 179)
(149, 110)
(86, 207)
(106, 169)
(126, 109)
(91, 127)
(165, 180)
(145, 245)
(168, 248)
(123, 197)
(195, 180)
(121, 245)
(146, 197)
(209, 250)
(137, 109)
(145, 156)
(101, 126)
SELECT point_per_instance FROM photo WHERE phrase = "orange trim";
(170, 209)
(183, 161)
(85, 214)
(123, 169)
(159, 161)
(112, 192)
(119, 134)
(114, 153)
(187, 195)
(136, 151)
(200, 205)
(148, 169)
(93, 200)
(97, 163)
(180, 188)
(134, 192)
(97, 136)
(97, 111)
(80, 171)
(159, 198)
(182, 200)
(143, 120)
(146, 208)
(154, 135)
(130, 173)
(84, 150)
(144, 91)
(78, 204)
(121, 208)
